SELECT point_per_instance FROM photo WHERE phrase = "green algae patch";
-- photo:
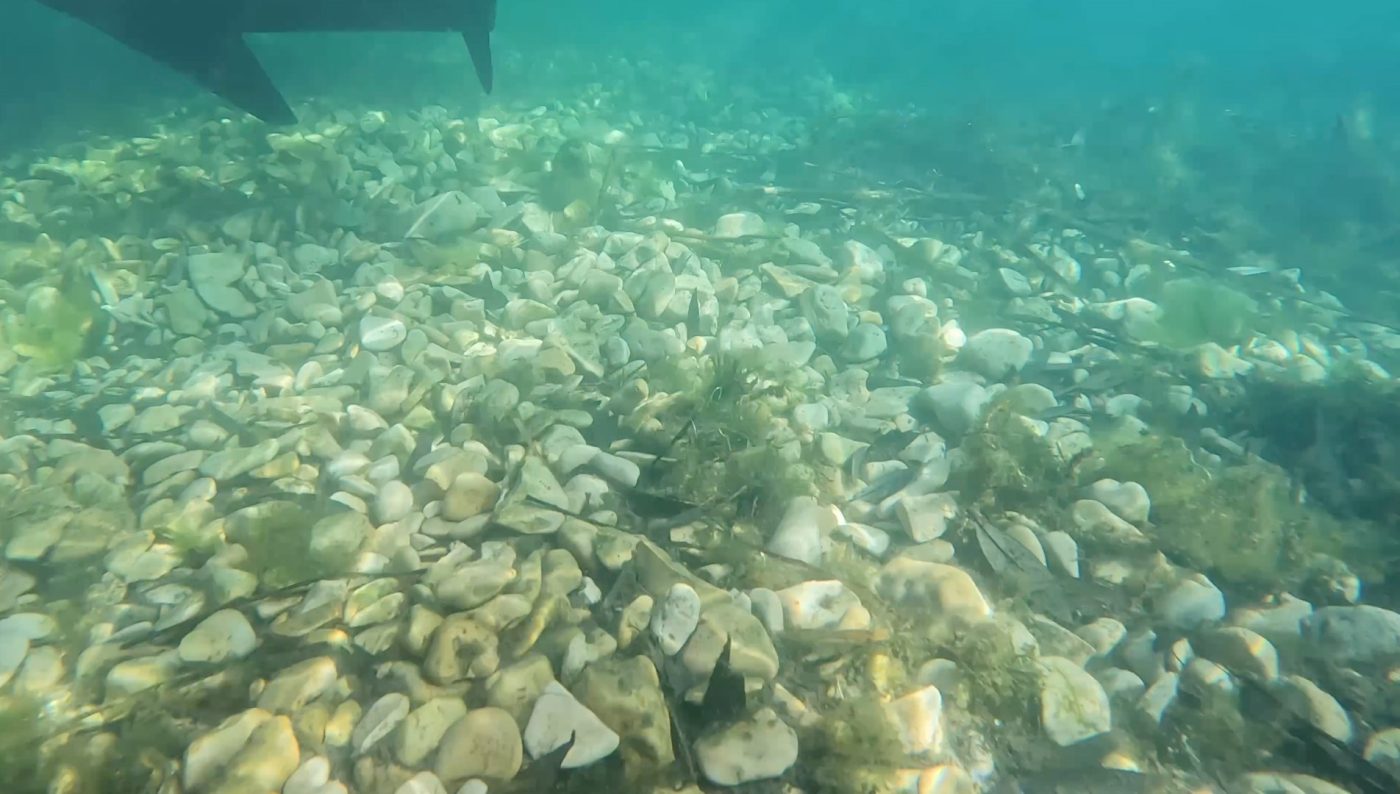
(1009, 465)
(1241, 524)
(851, 750)
(1199, 310)
(278, 538)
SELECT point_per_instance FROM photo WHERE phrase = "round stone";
(378, 334)
(222, 636)
(484, 743)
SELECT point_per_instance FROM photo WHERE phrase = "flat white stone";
(558, 715)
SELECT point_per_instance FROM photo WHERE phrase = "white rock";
(381, 333)
(872, 541)
(207, 755)
(222, 636)
(825, 604)
(13, 648)
(485, 743)
(311, 258)
(675, 619)
(1061, 553)
(918, 718)
(1127, 499)
(291, 689)
(864, 342)
(1159, 696)
(768, 608)
(1383, 750)
(308, 778)
(556, 716)
(945, 591)
(212, 276)
(422, 783)
(1093, 518)
(1353, 633)
(392, 502)
(33, 626)
(758, 748)
(926, 516)
(800, 532)
(378, 720)
(997, 352)
(1191, 603)
(1073, 705)
(1310, 702)
(1240, 650)
(957, 405)
(616, 469)
(739, 224)
(421, 731)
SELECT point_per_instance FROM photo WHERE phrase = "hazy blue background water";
(1293, 61)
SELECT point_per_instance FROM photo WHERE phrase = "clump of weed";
(277, 536)
(851, 750)
(1200, 310)
(1241, 524)
(995, 678)
(1009, 465)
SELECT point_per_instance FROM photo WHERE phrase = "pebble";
(675, 618)
(1128, 500)
(222, 636)
(918, 718)
(1240, 650)
(1073, 705)
(1383, 750)
(378, 721)
(212, 276)
(208, 755)
(626, 695)
(13, 648)
(379, 334)
(422, 783)
(290, 690)
(739, 224)
(470, 494)
(997, 352)
(556, 716)
(484, 742)
(310, 777)
(945, 591)
(759, 747)
(926, 516)
(392, 502)
(957, 405)
(1310, 702)
(1192, 602)
(422, 730)
(1353, 633)
(800, 531)
(822, 605)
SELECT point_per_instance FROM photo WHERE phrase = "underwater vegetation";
(1200, 310)
(1239, 523)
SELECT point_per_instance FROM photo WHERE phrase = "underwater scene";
(769, 397)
